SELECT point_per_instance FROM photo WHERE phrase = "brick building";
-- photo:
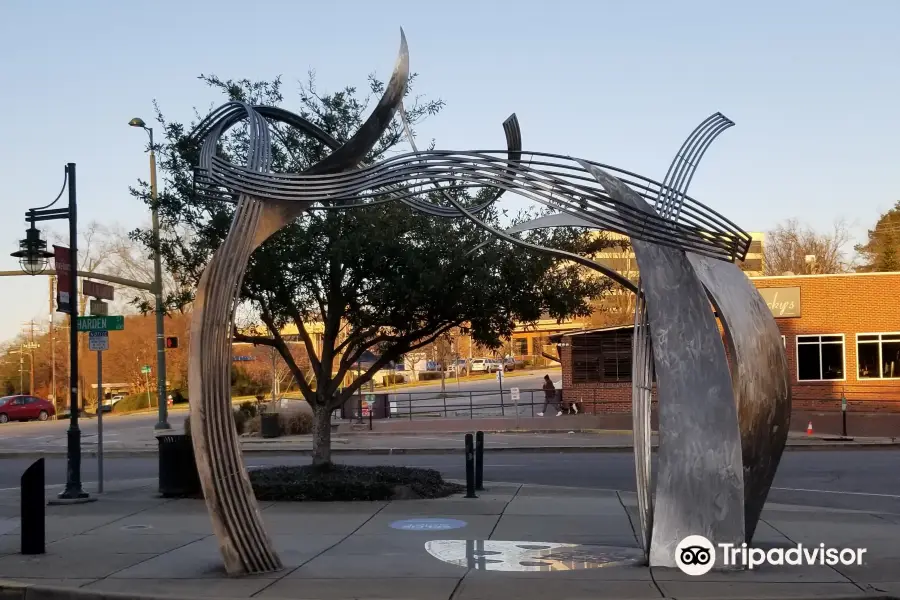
(841, 335)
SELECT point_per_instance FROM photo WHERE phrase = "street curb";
(152, 452)
(11, 590)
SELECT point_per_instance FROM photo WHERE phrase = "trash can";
(178, 476)
(268, 425)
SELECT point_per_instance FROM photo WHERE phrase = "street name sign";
(145, 369)
(111, 323)
(100, 291)
(98, 341)
(99, 308)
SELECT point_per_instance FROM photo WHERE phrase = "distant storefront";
(841, 335)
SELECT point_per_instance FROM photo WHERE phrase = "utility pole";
(52, 281)
(31, 346)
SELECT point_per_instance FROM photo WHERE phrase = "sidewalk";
(435, 443)
(512, 542)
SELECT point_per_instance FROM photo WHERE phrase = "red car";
(25, 408)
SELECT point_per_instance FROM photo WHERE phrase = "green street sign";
(114, 323)
(145, 369)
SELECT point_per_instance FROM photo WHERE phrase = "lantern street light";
(157, 286)
(33, 256)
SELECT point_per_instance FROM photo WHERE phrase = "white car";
(481, 365)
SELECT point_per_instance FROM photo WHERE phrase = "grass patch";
(344, 483)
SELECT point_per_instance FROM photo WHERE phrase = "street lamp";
(33, 257)
(157, 287)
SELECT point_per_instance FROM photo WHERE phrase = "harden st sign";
(782, 301)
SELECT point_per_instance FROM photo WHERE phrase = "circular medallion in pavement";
(428, 524)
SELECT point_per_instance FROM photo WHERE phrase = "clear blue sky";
(812, 85)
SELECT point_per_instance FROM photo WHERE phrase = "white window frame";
(799, 343)
(879, 341)
(784, 342)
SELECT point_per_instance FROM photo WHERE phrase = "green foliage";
(341, 483)
(394, 278)
(134, 402)
(881, 252)
(243, 384)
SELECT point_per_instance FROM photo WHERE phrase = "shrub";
(240, 423)
(295, 423)
(290, 422)
(132, 403)
(429, 375)
(392, 379)
(347, 483)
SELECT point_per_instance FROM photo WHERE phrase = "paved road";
(862, 480)
(117, 430)
(120, 428)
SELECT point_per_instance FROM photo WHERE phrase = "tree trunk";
(321, 439)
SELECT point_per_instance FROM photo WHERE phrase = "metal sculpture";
(701, 481)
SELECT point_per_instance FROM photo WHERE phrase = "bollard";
(33, 499)
(479, 461)
(843, 414)
(470, 467)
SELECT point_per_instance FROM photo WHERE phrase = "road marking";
(837, 492)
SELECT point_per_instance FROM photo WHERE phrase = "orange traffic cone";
(809, 430)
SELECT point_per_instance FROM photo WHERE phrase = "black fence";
(455, 404)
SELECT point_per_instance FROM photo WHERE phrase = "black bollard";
(843, 415)
(479, 461)
(470, 467)
(33, 500)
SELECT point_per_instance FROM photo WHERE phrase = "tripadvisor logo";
(696, 555)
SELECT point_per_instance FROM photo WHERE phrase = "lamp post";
(33, 257)
(163, 422)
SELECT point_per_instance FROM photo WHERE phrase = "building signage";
(782, 301)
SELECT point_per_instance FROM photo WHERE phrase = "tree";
(384, 279)
(799, 249)
(882, 250)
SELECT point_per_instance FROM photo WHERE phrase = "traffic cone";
(809, 430)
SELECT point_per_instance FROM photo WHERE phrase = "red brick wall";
(846, 304)
(829, 304)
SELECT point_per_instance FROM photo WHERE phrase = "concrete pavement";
(513, 541)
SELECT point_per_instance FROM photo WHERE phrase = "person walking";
(549, 396)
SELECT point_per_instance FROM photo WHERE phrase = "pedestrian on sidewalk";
(549, 396)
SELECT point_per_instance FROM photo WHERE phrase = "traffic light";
(171, 342)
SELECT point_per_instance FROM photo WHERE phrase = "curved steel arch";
(666, 226)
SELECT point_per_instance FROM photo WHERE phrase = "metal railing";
(609, 400)
(460, 404)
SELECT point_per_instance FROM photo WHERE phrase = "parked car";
(25, 408)
(460, 366)
(509, 364)
(481, 365)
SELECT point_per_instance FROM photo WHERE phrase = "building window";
(601, 357)
(784, 341)
(878, 355)
(755, 247)
(820, 357)
(520, 346)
